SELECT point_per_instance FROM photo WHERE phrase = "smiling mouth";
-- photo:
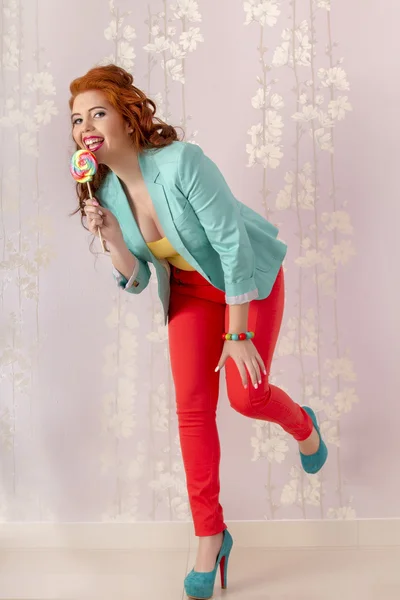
(93, 143)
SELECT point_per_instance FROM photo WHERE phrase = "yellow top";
(164, 249)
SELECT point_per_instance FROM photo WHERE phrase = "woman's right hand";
(100, 217)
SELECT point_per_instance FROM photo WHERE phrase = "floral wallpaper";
(88, 428)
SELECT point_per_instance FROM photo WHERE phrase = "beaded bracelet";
(235, 337)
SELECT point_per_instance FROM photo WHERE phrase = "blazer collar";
(159, 196)
(148, 166)
(151, 175)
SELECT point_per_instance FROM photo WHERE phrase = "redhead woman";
(220, 281)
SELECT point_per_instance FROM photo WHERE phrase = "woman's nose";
(87, 126)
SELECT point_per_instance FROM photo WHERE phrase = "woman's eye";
(78, 120)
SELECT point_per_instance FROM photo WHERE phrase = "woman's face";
(98, 127)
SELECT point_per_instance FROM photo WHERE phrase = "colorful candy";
(83, 167)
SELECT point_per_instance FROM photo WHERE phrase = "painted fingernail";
(245, 387)
(100, 213)
(217, 369)
(265, 372)
(260, 382)
(256, 386)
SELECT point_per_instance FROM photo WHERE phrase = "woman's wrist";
(238, 337)
(123, 259)
(238, 317)
(118, 246)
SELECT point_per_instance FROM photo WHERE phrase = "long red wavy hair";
(133, 105)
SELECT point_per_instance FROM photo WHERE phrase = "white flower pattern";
(299, 100)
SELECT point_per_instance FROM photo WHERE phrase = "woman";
(220, 281)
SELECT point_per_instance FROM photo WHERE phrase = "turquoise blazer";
(232, 246)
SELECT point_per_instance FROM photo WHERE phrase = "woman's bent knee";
(247, 402)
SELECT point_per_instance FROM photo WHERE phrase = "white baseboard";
(180, 536)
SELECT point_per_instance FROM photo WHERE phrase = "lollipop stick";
(98, 229)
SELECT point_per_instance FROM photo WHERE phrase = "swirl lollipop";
(83, 167)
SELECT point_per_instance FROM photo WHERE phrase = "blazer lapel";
(123, 212)
(151, 175)
(115, 198)
(153, 178)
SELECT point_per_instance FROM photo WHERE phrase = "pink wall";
(87, 419)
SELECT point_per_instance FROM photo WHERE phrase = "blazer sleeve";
(138, 280)
(204, 186)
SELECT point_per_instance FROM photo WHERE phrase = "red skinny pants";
(198, 317)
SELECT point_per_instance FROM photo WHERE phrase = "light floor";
(323, 574)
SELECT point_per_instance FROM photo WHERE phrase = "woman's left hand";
(247, 360)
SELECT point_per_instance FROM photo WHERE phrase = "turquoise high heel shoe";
(314, 462)
(200, 586)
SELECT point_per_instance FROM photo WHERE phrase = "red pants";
(198, 316)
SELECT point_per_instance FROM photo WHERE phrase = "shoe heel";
(223, 566)
(201, 585)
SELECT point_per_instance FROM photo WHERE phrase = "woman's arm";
(122, 259)
(238, 318)
(130, 273)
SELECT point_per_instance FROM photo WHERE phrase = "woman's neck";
(126, 166)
